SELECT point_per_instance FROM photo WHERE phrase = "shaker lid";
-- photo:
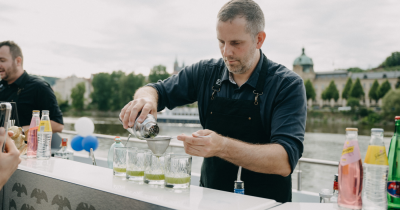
(351, 129)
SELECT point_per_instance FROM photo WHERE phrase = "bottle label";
(45, 126)
(393, 188)
(239, 191)
(376, 155)
(350, 153)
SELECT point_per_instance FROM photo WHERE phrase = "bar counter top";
(102, 180)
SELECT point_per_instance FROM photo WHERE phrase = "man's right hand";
(9, 160)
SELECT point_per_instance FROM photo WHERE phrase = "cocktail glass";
(178, 171)
(135, 167)
(154, 172)
(119, 162)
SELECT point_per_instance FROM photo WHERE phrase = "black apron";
(240, 119)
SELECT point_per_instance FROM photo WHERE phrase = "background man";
(253, 110)
(28, 92)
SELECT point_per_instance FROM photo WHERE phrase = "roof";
(331, 74)
(376, 75)
(303, 59)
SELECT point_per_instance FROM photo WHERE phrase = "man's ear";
(18, 61)
(260, 38)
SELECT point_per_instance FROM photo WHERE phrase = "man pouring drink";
(252, 109)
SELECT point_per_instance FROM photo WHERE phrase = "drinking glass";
(119, 161)
(154, 172)
(178, 169)
(135, 165)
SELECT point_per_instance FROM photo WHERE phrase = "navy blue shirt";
(283, 105)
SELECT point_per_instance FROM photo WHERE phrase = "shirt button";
(249, 118)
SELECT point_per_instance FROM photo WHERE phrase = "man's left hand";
(203, 143)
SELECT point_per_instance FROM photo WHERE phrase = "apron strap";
(217, 86)
(261, 80)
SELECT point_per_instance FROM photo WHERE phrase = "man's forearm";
(147, 92)
(56, 127)
(267, 158)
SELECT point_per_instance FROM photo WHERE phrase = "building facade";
(304, 67)
(178, 68)
(64, 87)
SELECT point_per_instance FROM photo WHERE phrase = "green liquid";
(155, 176)
(135, 173)
(175, 180)
(120, 170)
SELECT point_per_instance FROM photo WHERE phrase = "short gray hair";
(248, 9)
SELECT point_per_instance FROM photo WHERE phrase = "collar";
(252, 81)
(20, 80)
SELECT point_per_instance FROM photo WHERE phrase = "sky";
(62, 38)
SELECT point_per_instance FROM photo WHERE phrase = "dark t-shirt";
(30, 93)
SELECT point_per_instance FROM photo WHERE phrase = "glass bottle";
(110, 158)
(44, 137)
(393, 180)
(64, 152)
(335, 189)
(350, 172)
(32, 134)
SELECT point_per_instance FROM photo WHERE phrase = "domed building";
(304, 67)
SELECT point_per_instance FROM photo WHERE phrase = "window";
(384, 76)
(364, 85)
(343, 86)
(365, 76)
(370, 85)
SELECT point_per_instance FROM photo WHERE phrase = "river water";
(323, 141)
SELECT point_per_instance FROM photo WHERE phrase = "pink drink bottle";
(32, 135)
(350, 173)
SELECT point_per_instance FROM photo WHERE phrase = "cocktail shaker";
(147, 129)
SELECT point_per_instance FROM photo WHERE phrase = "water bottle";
(110, 157)
(375, 172)
(64, 152)
(44, 137)
(32, 134)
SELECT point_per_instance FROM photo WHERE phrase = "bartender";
(252, 109)
(28, 92)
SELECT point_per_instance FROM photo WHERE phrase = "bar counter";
(64, 184)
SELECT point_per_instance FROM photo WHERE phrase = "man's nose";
(227, 50)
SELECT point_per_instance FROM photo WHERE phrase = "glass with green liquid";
(178, 171)
(119, 161)
(135, 165)
(154, 170)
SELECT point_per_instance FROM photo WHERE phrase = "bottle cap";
(64, 142)
(35, 111)
(117, 138)
(376, 130)
(351, 129)
(397, 118)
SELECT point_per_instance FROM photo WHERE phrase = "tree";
(77, 96)
(392, 60)
(356, 90)
(128, 86)
(63, 104)
(347, 87)
(383, 89)
(373, 92)
(355, 69)
(331, 92)
(391, 103)
(115, 98)
(158, 73)
(353, 102)
(310, 92)
(101, 91)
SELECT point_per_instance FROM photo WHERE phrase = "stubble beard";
(12, 70)
(244, 64)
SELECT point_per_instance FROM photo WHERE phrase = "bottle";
(393, 139)
(110, 158)
(393, 180)
(335, 189)
(350, 172)
(32, 134)
(64, 153)
(44, 137)
(375, 173)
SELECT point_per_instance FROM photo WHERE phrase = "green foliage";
(372, 118)
(347, 88)
(63, 104)
(330, 92)
(397, 86)
(373, 92)
(101, 91)
(310, 92)
(355, 69)
(392, 60)
(353, 102)
(115, 85)
(158, 73)
(356, 90)
(383, 89)
(77, 96)
(391, 103)
(128, 86)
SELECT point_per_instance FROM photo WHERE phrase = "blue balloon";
(76, 143)
(90, 142)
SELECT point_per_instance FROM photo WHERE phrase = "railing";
(179, 144)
